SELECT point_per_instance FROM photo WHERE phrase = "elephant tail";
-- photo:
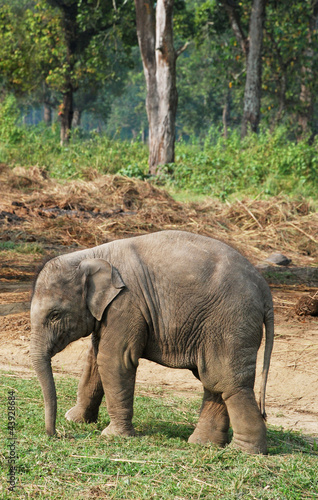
(269, 340)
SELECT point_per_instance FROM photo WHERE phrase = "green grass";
(157, 463)
(40, 146)
(24, 248)
(264, 165)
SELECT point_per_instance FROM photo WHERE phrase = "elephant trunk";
(42, 365)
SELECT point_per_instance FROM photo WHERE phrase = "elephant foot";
(249, 430)
(218, 438)
(77, 414)
(114, 430)
(252, 449)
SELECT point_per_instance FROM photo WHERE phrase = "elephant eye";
(54, 317)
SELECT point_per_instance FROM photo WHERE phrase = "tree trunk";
(307, 97)
(234, 17)
(47, 114)
(77, 115)
(282, 98)
(252, 94)
(226, 113)
(66, 115)
(155, 37)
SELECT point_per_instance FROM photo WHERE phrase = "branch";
(235, 21)
(182, 49)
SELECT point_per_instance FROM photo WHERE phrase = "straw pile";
(87, 213)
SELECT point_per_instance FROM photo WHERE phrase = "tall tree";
(82, 21)
(72, 37)
(252, 49)
(290, 66)
(307, 95)
(253, 85)
(155, 37)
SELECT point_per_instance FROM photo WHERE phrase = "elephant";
(179, 299)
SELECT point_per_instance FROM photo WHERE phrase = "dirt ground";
(31, 210)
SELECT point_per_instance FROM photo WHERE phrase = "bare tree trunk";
(47, 114)
(234, 17)
(252, 94)
(307, 97)
(226, 113)
(69, 11)
(155, 37)
(282, 98)
(66, 115)
(77, 115)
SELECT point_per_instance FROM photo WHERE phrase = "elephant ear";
(102, 284)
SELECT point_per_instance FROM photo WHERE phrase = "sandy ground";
(291, 402)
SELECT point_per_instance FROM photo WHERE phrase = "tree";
(253, 85)
(210, 74)
(251, 47)
(307, 94)
(159, 57)
(290, 67)
(30, 45)
(82, 22)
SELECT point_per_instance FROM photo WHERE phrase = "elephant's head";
(69, 299)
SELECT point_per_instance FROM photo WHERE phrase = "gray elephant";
(176, 298)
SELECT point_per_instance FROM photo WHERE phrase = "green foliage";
(38, 58)
(133, 170)
(267, 164)
(288, 63)
(93, 151)
(128, 117)
(31, 49)
(105, 71)
(158, 462)
(10, 132)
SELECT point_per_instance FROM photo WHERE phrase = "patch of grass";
(280, 276)
(157, 463)
(24, 248)
(267, 164)
(40, 146)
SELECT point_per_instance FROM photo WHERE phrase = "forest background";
(89, 49)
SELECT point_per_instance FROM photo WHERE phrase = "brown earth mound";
(86, 213)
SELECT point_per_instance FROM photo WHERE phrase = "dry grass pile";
(280, 224)
(87, 213)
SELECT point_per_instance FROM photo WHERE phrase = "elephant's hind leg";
(249, 430)
(213, 424)
(90, 392)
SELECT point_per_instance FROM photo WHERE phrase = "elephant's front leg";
(118, 377)
(213, 424)
(90, 392)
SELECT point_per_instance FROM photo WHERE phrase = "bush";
(10, 132)
(267, 164)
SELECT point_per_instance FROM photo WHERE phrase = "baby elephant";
(176, 298)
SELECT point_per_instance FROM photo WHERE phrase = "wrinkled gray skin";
(179, 299)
